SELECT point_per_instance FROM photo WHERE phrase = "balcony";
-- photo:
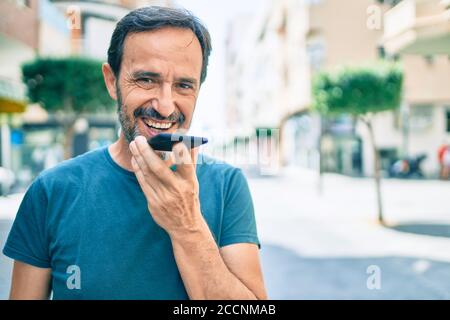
(418, 27)
(19, 21)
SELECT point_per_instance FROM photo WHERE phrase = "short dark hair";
(154, 18)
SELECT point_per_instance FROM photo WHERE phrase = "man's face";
(159, 82)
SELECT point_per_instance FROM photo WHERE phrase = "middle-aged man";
(125, 222)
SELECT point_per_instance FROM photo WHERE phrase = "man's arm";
(29, 282)
(173, 201)
(232, 272)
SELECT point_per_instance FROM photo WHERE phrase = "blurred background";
(338, 111)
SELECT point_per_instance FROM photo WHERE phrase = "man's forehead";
(166, 40)
(174, 45)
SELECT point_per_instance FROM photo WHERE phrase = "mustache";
(152, 113)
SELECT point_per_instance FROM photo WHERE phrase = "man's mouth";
(154, 126)
(159, 125)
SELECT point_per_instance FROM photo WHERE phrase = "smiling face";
(159, 81)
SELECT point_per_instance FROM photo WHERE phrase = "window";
(390, 2)
(316, 54)
(23, 3)
(313, 2)
(381, 52)
(448, 119)
(283, 24)
(421, 117)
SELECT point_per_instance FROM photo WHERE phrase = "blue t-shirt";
(87, 219)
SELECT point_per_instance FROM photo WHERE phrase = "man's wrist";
(194, 235)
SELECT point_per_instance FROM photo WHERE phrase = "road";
(320, 246)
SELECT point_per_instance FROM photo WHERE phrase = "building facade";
(295, 39)
(28, 28)
(16, 47)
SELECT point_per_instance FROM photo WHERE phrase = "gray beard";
(132, 131)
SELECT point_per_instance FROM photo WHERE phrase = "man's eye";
(145, 81)
(185, 86)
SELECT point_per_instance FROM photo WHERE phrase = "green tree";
(68, 88)
(361, 91)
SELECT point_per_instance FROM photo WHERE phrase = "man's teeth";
(158, 125)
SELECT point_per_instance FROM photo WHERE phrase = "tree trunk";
(320, 152)
(67, 121)
(68, 140)
(377, 168)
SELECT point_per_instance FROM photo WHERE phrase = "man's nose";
(164, 104)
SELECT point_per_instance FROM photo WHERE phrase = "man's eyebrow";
(151, 74)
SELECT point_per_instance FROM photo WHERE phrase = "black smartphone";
(165, 141)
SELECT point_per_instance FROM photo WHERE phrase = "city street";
(352, 87)
(321, 246)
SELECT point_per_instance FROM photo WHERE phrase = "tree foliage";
(358, 90)
(70, 84)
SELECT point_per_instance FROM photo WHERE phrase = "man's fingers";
(152, 160)
(183, 160)
(194, 155)
(141, 164)
(145, 186)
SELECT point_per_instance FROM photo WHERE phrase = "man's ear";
(110, 80)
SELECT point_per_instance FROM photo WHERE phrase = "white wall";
(52, 42)
(426, 140)
(12, 55)
(430, 139)
(97, 36)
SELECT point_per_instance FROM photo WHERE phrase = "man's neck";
(121, 154)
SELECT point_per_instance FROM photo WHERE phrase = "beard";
(129, 123)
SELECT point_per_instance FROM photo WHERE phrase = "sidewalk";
(8, 210)
(5, 263)
(320, 246)
(9, 206)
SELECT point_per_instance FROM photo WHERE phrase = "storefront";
(42, 143)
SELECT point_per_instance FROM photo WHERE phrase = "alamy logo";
(374, 279)
(74, 279)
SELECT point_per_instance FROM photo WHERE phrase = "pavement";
(325, 245)
(322, 245)
(5, 263)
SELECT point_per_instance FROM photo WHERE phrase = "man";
(124, 222)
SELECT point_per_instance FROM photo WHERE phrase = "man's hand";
(174, 203)
(173, 197)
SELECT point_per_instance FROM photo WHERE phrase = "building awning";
(11, 106)
(12, 98)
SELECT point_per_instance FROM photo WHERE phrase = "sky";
(216, 15)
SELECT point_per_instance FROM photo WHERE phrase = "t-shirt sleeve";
(238, 223)
(27, 241)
